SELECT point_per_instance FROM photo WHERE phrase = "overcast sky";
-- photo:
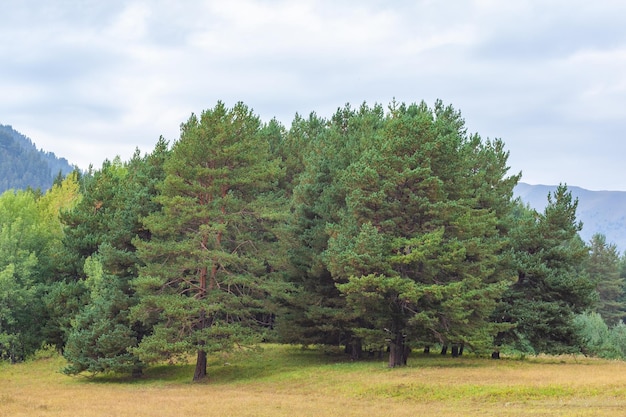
(92, 79)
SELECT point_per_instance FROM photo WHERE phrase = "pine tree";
(603, 268)
(418, 251)
(320, 151)
(208, 268)
(551, 286)
(102, 334)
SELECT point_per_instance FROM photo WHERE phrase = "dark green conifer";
(551, 285)
(208, 266)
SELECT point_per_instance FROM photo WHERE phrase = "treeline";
(375, 230)
(23, 166)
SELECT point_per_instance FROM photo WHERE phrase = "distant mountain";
(600, 211)
(22, 165)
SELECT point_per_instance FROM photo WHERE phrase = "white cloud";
(97, 79)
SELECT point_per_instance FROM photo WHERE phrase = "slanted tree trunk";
(444, 349)
(200, 372)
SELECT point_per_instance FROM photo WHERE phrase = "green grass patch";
(282, 380)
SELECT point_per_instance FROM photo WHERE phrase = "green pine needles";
(377, 230)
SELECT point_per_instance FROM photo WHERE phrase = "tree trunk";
(398, 352)
(200, 372)
(444, 349)
(406, 353)
(455, 350)
(355, 349)
(137, 372)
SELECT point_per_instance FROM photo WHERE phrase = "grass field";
(289, 381)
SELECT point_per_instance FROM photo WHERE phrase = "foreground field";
(288, 381)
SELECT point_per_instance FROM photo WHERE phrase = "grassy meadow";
(289, 381)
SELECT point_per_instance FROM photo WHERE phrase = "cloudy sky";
(92, 79)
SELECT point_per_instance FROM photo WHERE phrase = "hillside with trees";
(376, 230)
(22, 165)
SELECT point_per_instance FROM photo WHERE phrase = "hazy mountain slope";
(600, 211)
(22, 165)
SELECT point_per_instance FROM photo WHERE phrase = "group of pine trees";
(376, 229)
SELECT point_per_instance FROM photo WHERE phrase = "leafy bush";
(600, 340)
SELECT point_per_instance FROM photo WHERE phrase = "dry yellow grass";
(285, 381)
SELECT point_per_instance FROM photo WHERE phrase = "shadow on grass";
(441, 361)
(271, 361)
(276, 362)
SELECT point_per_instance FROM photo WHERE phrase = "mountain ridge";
(600, 211)
(22, 165)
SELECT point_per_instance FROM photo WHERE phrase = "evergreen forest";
(380, 230)
(22, 165)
